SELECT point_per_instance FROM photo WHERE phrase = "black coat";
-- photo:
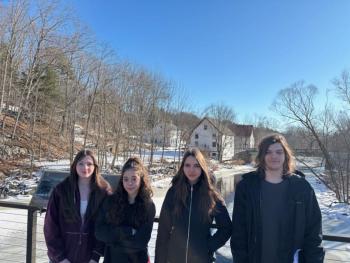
(301, 225)
(122, 245)
(173, 232)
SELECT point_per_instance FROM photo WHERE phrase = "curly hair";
(119, 200)
(209, 194)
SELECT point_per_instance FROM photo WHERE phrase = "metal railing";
(19, 223)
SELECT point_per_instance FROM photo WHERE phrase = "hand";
(92, 261)
(65, 261)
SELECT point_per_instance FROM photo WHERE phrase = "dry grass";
(15, 151)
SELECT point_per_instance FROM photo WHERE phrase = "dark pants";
(139, 257)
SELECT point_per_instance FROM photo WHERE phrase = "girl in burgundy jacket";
(71, 211)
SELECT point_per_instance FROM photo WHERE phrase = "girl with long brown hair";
(188, 211)
(71, 212)
(125, 221)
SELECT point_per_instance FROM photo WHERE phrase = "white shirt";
(296, 256)
(83, 206)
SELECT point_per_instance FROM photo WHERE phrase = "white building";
(209, 139)
(244, 137)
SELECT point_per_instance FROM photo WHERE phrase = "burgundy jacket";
(72, 239)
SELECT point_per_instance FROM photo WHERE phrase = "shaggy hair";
(289, 163)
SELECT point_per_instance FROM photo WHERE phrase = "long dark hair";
(99, 187)
(289, 163)
(119, 199)
(207, 191)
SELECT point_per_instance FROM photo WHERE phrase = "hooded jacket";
(72, 239)
(301, 227)
(189, 239)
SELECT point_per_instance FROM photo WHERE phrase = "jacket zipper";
(255, 235)
(258, 229)
(189, 225)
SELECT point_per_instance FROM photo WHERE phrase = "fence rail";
(20, 224)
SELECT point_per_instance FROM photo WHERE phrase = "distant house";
(212, 140)
(164, 134)
(10, 110)
(244, 136)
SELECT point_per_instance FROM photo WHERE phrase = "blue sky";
(237, 52)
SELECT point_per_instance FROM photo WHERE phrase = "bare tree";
(180, 105)
(263, 126)
(56, 81)
(296, 104)
(118, 115)
(342, 86)
(43, 29)
(15, 27)
(221, 115)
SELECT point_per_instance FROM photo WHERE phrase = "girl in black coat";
(276, 217)
(125, 221)
(190, 207)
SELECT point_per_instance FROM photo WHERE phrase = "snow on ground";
(335, 221)
(336, 217)
(163, 183)
(64, 164)
(25, 199)
(54, 165)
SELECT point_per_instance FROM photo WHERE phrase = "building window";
(205, 127)
(214, 144)
(213, 154)
(196, 143)
(196, 136)
(214, 135)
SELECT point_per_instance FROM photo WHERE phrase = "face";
(192, 169)
(275, 157)
(85, 167)
(131, 182)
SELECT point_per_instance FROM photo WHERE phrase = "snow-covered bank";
(336, 218)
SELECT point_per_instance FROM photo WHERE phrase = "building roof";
(241, 130)
(225, 130)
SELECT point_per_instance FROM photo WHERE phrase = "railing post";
(31, 235)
